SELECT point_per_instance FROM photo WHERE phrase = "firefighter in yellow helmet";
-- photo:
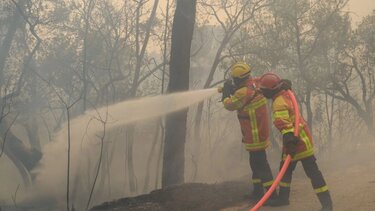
(300, 148)
(251, 107)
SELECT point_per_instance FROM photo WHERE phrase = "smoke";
(87, 133)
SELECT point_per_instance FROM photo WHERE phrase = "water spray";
(86, 132)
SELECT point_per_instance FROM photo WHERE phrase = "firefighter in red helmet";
(300, 148)
(251, 107)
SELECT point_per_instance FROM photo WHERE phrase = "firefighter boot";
(282, 199)
(325, 201)
(257, 192)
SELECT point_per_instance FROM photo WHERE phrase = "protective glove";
(290, 143)
(286, 84)
(228, 89)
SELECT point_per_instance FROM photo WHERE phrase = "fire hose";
(287, 160)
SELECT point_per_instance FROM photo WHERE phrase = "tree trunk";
(129, 142)
(14, 24)
(32, 129)
(85, 77)
(309, 108)
(174, 148)
(150, 158)
(369, 121)
(22, 157)
(142, 52)
(330, 115)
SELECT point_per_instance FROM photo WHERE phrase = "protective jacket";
(283, 118)
(252, 114)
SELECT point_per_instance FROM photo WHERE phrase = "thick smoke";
(86, 136)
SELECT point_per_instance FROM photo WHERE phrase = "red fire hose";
(287, 160)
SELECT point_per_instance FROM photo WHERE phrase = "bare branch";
(6, 134)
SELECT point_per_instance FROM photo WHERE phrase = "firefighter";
(251, 107)
(300, 148)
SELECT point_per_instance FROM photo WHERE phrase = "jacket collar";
(281, 92)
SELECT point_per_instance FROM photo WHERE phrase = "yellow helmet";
(240, 70)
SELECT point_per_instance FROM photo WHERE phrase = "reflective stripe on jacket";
(252, 114)
(283, 119)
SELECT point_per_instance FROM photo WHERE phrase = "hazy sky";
(361, 8)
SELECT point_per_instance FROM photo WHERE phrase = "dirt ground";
(350, 177)
(352, 189)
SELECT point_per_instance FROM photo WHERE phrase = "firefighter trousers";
(317, 180)
(261, 171)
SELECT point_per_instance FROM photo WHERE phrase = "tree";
(352, 76)
(175, 134)
(14, 77)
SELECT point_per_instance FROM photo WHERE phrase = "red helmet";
(269, 81)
